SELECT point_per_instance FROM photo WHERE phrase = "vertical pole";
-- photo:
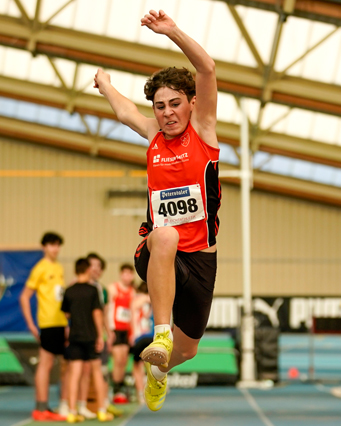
(247, 324)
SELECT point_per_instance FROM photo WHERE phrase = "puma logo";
(270, 311)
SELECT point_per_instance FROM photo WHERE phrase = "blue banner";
(15, 267)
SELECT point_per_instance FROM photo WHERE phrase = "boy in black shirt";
(81, 304)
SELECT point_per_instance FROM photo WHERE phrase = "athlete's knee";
(46, 360)
(189, 353)
(167, 238)
(120, 362)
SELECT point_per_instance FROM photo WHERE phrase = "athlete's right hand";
(101, 78)
(33, 329)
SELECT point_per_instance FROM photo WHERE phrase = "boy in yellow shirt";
(47, 281)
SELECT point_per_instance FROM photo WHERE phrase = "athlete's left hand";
(158, 22)
(99, 345)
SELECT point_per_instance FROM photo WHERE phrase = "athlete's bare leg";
(184, 348)
(98, 382)
(42, 376)
(64, 378)
(139, 376)
(75, 375)
(84, 381)
(120, 357)
(162, 244)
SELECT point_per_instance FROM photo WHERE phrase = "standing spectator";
(121, 294)
(47, 281)
(81, 304)
(142, 334)
(97, 267)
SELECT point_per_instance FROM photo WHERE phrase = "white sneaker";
(63, 409)
(86, 413)
(336, 392)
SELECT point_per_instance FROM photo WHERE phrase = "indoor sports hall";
(271, 352)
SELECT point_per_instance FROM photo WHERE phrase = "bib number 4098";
(177, 206)
(180, 207)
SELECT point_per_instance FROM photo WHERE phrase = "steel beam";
(314, 10)
(117, 54)
(83, 103)
(11, 129)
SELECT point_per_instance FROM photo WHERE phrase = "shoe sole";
(155, 356)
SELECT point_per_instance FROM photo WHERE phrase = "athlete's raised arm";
(204, 114)
(125, 110)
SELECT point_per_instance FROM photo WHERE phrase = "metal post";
(247, 324)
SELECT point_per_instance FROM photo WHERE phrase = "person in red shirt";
(120, 296)
(177, 256)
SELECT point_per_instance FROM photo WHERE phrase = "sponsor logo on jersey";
(175, 193)
(185, 139)
(175, 158)
(155, 146)
(156, 158)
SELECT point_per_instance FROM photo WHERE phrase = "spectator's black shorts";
(52, 339)
(195, 279)
(139, 346)
(122, 337)
(104, 355)
(84, 351)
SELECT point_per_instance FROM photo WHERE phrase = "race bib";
(177, 206)
(58, 292)
(123, 314)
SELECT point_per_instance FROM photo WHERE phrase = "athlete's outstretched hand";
(101, 78)
(158, 22)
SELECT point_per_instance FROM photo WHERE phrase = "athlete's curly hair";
(179, 79)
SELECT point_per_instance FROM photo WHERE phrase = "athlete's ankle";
(161, 328)
(157, 373)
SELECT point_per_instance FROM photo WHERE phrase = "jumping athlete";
(177, 257)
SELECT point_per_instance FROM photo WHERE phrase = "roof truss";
(266, 141)
(112, 53)
(119, 151)
(261, 82)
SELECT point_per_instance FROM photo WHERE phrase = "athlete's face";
(172, 111)
(127, 277)
(51, 250)
(95, 269)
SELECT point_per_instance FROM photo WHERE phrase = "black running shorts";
(122, 337)
(52, 339)
(195, 279)
(84, 351)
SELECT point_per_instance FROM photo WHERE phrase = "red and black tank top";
(184, 189)
(120, 308)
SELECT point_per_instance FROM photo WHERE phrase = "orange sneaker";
(47, 416)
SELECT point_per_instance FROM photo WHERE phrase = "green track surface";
(215, 355)
(8, 361)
